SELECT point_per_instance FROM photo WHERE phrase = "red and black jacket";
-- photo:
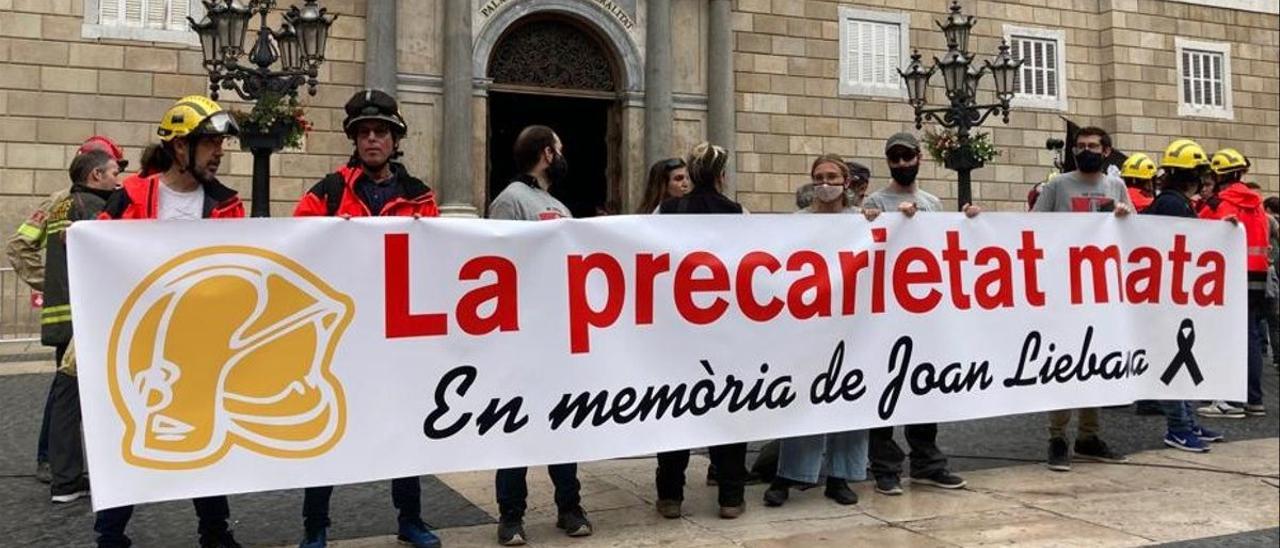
(1243, 203)
(336, 195)
(138, 198)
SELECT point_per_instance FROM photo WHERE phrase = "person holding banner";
(370, 184)
(1183, 168)
(706, 170)
(539, 155)
(1233, 198)
(843, 454)
(178, 181)
(928, 463)
(1087, 189)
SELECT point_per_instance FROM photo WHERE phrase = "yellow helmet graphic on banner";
(223, 347)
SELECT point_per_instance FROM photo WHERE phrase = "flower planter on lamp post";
(297, 48)
(961, 79)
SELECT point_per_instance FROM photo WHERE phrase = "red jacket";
(1244, 204)
(1140, 198)
(137, 198)
(336, 195)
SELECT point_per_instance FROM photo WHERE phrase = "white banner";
(237, 356)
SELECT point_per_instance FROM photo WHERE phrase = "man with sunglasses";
(928, 463)
(1088, 189)
(370, 184)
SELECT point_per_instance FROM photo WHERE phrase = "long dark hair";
(655, 192)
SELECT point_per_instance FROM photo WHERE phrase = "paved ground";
(1009, 501)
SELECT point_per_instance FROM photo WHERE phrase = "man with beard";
(1086, 190)
(539, 157)
(178, 182)
(371, 184)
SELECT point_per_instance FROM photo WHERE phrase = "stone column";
(721, 125)
(657, 82)
(455, 143)
(380, 65)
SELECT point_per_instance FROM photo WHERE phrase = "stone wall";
(57, 88)
(1120, 71)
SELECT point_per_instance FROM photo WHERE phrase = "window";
(873, 46)
(1204, 79)
(1042, 80)
(145, 20)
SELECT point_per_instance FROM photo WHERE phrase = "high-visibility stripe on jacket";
(25, 247)
(80, 203)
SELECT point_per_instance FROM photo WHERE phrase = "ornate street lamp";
(298, 50)
(961, 78)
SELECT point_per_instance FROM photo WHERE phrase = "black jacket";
(701, 200)
(55, 317)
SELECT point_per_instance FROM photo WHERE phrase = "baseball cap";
(903, 139)
(859, 171)
(105, 144)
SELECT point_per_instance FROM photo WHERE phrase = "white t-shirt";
(180, 206)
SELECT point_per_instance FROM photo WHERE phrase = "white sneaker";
(1222, 410)
(70, 496)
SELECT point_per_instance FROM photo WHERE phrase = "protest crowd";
(177, 180)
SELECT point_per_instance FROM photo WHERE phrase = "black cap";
(373, 104)
(859, 172)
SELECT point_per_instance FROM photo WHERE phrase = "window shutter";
(178, 12)
(156, 13)
(867, 53)
(133, 13)
(109, 12)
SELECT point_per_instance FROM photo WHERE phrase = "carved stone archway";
(578, 60)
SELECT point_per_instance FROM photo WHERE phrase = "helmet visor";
(220, 123)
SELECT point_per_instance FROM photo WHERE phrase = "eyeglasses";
(898, 156)
(1095, 147)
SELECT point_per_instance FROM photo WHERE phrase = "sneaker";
(888, 485)
(1185, 440)
(670, 509)
(732, 512)
(1207, 435)
(219, 540)
(417, 534)
(574, 522)
(318, 538)
(1097, 450)
(839, 491)
(43, 473)
(1220, 410)
(511, 532)
(778, 492)
(941, 478)
(1255, 410)
(1059, 455)
(71, 493)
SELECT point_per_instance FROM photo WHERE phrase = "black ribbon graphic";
(1186, 340)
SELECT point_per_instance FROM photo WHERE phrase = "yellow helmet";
(1228, 160)
(1139, 166)
(196, 115)
(1184, 154)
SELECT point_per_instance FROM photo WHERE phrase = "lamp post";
(961, 78)
(297, 49)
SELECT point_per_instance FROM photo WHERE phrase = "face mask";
(1089, 161)
(558, 169)
(905, 176)
(828, 193)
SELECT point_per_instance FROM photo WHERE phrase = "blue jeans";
(1178, 415)
(844, 455)
(42, 443)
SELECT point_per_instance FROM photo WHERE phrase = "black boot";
(839, 491)
(778, 492)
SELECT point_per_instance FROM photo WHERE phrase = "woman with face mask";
(667, 179)
(843, 454)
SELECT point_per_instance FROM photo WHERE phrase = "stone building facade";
(629, 81)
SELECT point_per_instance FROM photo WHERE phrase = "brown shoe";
(669, 509)
(732, 512)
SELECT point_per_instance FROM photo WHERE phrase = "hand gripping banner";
(248, 355)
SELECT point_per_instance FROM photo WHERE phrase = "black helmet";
(372, 104)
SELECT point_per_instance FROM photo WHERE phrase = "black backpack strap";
(332, 186)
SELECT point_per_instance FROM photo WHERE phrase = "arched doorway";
(553, 70)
